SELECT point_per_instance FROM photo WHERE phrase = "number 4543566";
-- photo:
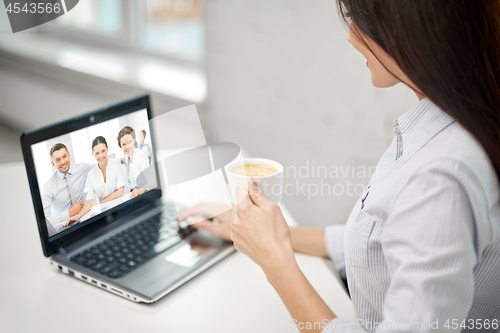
(474, 324)
(34, 8)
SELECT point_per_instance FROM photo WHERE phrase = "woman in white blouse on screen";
(135, 159)
(106, 176)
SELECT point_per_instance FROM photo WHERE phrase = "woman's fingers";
(69, 221)
(197, 224)
(188, 212)
(244, 203)
(207, 225)
(200, 209)
(207, 210)
(197, 217)
(195, 221)
(219, 230)
(256, 194)
(242, 195)
(251, 196)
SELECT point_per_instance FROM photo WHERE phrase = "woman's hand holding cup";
(255, 223)
(259, 229)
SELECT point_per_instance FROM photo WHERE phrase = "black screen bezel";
(65, 238)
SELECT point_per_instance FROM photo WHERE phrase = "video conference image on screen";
(86, 172)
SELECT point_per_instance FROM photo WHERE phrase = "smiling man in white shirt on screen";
(63, 194)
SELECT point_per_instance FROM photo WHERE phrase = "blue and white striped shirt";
(422, 244)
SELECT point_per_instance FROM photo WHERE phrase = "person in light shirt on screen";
(63, 195)
(106, 176)
(144, 146)
(135, 159)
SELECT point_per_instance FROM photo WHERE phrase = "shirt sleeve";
(428, 244)
(143, 161)
(334, 241)
(147, 172)
(47, 198)
(119, 175)
(89, 190)
(147, 150)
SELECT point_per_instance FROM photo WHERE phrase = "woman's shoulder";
(138, 153)
(114, 162)
(456, 153)
(94, 168)
(462, 147)
(94, 172)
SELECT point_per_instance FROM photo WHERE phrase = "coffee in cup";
(267, 173)
(254, 170)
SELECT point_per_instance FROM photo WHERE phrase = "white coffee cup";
(270, 185)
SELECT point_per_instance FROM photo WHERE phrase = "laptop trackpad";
(189, 254)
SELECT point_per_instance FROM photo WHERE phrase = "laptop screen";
(86, 172)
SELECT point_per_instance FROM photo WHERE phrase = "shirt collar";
(418, 125)
(70, 171)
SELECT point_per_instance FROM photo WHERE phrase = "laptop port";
(94, 281)
(116, 291)
(70, 272)
(103, 285)
(60, 267)
(84, 277)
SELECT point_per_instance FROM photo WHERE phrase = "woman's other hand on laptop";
(72, 220)
(218, 222)
(137, 192)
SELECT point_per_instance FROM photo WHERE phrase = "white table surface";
(232, 296)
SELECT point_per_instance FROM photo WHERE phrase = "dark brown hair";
(57, 147)
(450, 49)
(124, 131)
(98, 140)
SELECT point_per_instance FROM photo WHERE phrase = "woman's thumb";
(255, 193)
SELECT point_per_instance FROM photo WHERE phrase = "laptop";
(116, 234)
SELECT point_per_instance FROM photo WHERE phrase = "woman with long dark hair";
(106, 176)
(421, 248)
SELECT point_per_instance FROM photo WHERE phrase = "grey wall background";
(283, 82)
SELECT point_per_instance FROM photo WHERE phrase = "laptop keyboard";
(118, 255)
